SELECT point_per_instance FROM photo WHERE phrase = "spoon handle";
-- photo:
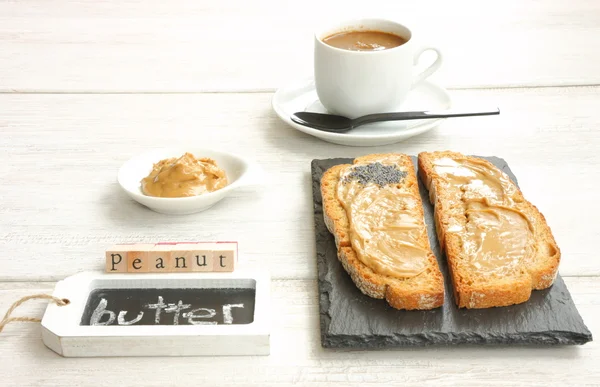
(420, 115)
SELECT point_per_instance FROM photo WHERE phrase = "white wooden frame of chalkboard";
(62, 332)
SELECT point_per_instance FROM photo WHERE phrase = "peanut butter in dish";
(183, 176)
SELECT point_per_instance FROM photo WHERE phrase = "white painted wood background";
(187, 45)
(84, 85)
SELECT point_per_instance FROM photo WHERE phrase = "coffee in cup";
(364, 40)
(367, 66)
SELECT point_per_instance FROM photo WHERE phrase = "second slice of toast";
(497, 244)
(374, 210)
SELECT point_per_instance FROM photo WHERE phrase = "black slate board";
(350, 319)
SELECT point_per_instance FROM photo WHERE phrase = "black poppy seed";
(376, 173)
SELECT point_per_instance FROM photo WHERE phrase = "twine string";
(7, 319)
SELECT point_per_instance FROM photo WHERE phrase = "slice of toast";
(383, 181)
(498, 245)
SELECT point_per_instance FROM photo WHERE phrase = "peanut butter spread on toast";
(386, 222)
(497, 237)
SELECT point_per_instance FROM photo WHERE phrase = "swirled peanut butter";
(496, 236)
(184, 176)
(386, 225)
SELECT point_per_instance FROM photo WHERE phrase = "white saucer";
(302, 96)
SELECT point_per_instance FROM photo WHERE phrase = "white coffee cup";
(356, 83)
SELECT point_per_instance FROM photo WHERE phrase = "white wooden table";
(84, 85)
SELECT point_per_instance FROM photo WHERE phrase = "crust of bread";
(422, 292)
(481, 293)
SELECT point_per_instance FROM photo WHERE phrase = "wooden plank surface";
(61, 206)
(232, 45)
(297, 356)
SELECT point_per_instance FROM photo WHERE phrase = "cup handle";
(429, 70)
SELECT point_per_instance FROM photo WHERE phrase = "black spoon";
(341, 124)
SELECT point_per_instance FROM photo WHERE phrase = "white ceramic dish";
(302, 96)
(240, 172)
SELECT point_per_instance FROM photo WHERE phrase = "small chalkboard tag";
(160, 315)
(169, 306)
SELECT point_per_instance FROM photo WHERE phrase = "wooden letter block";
(159, 259)
(182, 259)
(116, 259)
(137, 258)
(202, 255)
(225, 256)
